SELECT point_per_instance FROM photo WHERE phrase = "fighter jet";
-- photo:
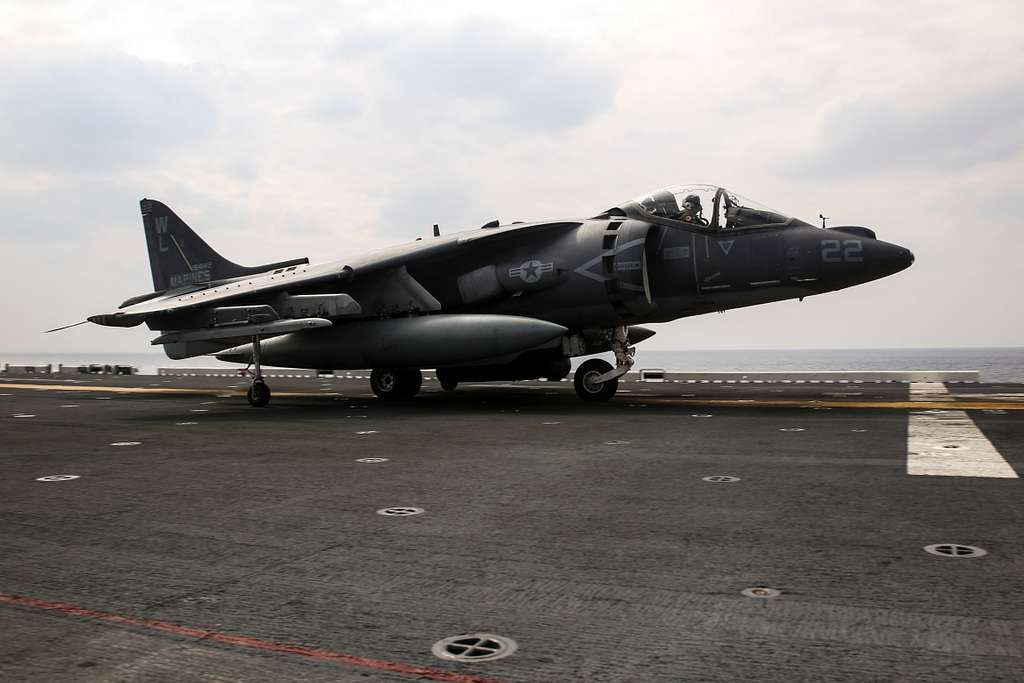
(501, 302)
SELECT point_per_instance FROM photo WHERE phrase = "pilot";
(692, 211)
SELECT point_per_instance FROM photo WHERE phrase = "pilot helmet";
(692, 202)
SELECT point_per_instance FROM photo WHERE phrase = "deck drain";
(951, 446)
(368, 432)
(761, 592)
(720, 479)
(552, 423)
(474, 647)
(371, 459)
(70, 405)
(792, 429)
(955, 550)
(400, 511)
(199, 600)
(58, 477)
(858, 431)
(126, 443)
(185, 424)
(701, 415)
(617, 442)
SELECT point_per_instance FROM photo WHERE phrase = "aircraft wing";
(300, 277)
(265, 283)
(408, 253)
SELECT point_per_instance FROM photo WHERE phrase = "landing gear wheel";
(258, 394)
(448, 383)
(558, 370)
(395, 384)
(585, 381)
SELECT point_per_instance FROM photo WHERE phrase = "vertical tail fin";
(179, 257)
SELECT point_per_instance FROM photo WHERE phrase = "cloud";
(69, 210)
(410, 210)
(485, 72)
(97, 113)
(878, 134)
(334, 108)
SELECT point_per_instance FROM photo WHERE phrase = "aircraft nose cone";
(895, 258)
(903, 257)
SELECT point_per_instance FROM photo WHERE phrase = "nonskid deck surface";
(225, 542)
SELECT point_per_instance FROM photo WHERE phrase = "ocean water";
(994, 364)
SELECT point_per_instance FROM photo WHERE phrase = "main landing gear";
(395, 384)
(447, 381)
(597, 380)
(259, 392)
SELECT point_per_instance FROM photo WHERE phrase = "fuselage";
(586, 276)
(606, 272)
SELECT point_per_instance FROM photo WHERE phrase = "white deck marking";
(947, 443)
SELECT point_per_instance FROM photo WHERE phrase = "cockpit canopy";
(706, 206)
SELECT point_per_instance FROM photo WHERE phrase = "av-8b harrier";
(502, 302)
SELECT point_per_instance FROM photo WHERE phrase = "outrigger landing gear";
(259, 392)
(597, 380)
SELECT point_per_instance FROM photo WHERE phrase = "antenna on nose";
(823, 218)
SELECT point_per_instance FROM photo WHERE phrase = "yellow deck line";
(138, 390)
(812, 403)
(692, 402)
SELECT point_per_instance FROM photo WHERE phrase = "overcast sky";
(328, 129)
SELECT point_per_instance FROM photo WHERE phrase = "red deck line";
(245, 641)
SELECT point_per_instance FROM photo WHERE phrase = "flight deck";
(160, 528)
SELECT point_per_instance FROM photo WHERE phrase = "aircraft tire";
(586, 388)
(448, 383)
(390, 384)
(413, 380)
(258, 394)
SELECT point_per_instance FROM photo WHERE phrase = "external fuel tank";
(413, 342)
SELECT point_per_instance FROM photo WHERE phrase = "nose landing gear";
(587, 381)
(259, 392)
(597, 380)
